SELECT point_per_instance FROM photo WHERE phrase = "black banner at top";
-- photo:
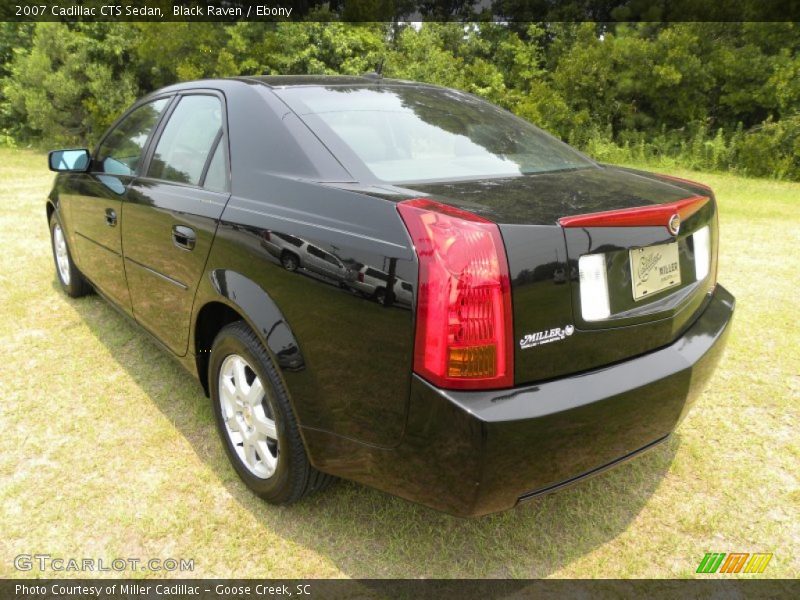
(401, 10)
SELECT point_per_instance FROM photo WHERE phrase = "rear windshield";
(406, 133)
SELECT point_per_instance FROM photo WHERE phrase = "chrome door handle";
(183, 237)
(111, 217)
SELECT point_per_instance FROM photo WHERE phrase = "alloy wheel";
(62, 256)
(249, 420)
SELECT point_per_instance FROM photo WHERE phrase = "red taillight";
(266, 235)
(463, 333)
(361, 277)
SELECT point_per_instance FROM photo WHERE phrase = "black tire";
(380, 295)
(294, 477)
(78, 285)
(290, 262)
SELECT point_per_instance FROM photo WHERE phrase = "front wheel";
(255, 419)
(71, 279)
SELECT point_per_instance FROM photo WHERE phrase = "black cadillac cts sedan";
(397, 283)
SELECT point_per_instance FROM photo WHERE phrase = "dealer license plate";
(654, 268)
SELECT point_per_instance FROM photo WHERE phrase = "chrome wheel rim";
(249, 422)
(62, 256)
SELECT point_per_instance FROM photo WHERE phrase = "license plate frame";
(654, 269)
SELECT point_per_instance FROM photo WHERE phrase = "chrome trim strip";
(157, 274)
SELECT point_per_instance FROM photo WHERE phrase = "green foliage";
(71, 83)
(773, 149)
(720, 96)
(171, 52)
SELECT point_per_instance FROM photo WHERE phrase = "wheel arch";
(50, 207)
(287, 251)
(236, 298)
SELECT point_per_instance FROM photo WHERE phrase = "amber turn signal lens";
(474, 361)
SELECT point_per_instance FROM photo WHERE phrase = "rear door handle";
(183, 237)
(111, 217)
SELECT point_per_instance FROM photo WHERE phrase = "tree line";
(718, 96)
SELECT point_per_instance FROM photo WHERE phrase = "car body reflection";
(298, 255)
(375, 283)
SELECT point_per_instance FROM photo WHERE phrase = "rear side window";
(216, 177)
(377, 274)
(314, 251)
(289, 238)
(121, 150)
(193, 129)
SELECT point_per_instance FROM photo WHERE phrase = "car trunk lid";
(550, 221)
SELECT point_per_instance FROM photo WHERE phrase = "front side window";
(410, 133)
(121, 150)
(193, 130)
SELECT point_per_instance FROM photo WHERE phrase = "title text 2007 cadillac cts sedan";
(397, 283)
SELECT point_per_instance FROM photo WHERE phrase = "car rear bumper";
(514, 445)
(473, 453)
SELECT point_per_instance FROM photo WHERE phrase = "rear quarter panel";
(354, 376)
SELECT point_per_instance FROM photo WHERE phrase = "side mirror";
(69, 160)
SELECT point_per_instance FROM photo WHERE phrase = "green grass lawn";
(108, 448)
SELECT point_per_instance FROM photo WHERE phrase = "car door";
(315, 260)
(93, 200)
(171, 215)
(330, 265)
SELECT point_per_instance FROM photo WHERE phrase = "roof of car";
(327, 80)
(285, 81)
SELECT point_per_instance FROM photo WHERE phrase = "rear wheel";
(71, 279)
(255, 419)
(289, 261)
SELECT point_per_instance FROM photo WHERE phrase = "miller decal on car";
(556, 334)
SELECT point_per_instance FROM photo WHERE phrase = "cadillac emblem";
(674, 224)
